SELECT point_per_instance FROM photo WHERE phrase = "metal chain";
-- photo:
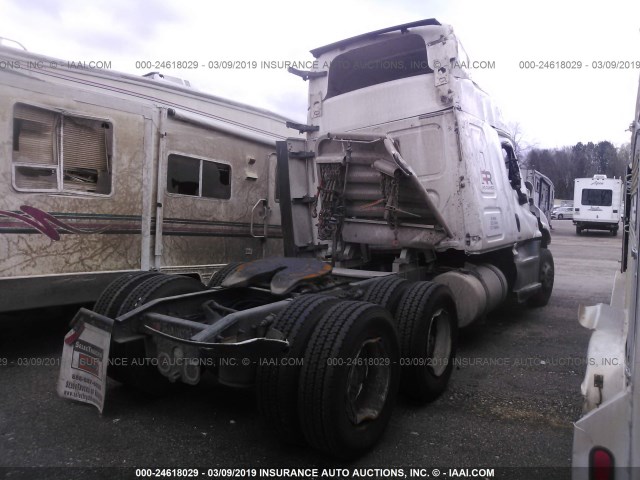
(329, 193)
(391, 194)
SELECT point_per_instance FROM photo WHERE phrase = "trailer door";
(213, 196)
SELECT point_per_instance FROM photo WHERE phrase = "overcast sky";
(553, 107)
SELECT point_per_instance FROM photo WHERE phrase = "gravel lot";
(510, 404)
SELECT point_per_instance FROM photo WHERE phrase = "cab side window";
(513, 171)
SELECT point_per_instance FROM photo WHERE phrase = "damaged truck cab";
(412, 159)
(404, 218)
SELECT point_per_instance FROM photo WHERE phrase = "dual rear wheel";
(128, 292)
(336, 386)
(353, 357)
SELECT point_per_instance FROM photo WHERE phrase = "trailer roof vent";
(599, 177)
(160, 77)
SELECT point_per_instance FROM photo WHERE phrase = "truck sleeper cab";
(404, 219)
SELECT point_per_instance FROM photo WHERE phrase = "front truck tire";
(277, 383)
(546, 276)
(349, 380)
(145, 376)
(428, 332)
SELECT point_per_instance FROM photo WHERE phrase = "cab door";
(212, 196)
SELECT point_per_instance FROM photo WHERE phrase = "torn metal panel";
(380, 186)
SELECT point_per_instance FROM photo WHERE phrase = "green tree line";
(563, 165)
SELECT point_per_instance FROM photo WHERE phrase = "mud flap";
(85, 356)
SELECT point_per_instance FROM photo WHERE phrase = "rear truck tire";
(114, 294)
(160, 286)
(277, 384)
(547, 274)
(108, 305)
(386, 292)
(614, 232)
(349, 380)
(578, 230)
(145, 376)
(218, 277)
(428, 333)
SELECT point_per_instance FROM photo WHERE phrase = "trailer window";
(401, 57)
(57, 152)
(601, 198)
(198, 177)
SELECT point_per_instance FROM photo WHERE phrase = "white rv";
(606, 440)
(105, 173)
(596, 204)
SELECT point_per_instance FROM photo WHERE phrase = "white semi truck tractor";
(405, 218)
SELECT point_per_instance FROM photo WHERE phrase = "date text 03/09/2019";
(306, 473)
(579, 65)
